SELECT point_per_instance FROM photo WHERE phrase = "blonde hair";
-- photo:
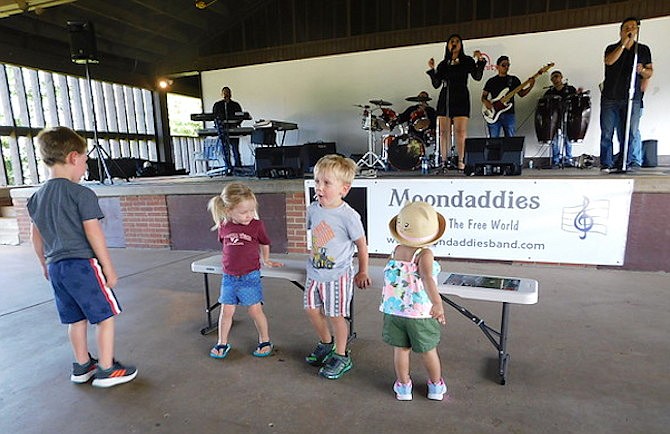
(231, 196)
(56, 143)
(343, 168)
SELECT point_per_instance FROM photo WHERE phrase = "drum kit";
(563, 117)
(404, 151)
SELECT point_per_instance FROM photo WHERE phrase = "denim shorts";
(419, 334)
(81, 292)
(245, 290)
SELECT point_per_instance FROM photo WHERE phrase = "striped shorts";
(81, 291)
(334, 297)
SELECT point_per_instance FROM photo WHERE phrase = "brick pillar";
(296, 228)
(22, 218)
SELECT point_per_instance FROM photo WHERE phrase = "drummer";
(564, 91)
(421, 117)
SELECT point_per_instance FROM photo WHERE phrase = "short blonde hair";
(232, 195)
(343, 168)
(56, 143)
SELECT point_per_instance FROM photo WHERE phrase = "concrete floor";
(590, 357)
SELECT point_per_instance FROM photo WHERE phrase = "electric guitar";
(501, 103)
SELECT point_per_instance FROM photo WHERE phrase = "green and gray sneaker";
(320, 353)
(336, 366)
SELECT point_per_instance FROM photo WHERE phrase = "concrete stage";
(590, 357)
(170, 212)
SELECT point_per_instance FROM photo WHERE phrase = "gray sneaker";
(336, 366)
(320, 353)
(82, 373)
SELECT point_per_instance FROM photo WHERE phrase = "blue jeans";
(507, 122)
(613, 117)
(556, 151)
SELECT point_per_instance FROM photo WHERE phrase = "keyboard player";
(225, 118)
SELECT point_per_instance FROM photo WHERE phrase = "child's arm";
(426, 272)
(361, 278)
(96, 238)
(265, 257)
(38, 247)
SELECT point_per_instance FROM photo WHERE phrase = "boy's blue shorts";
(243, 290)
(81, 291)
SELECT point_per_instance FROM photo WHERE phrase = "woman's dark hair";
(447, 53)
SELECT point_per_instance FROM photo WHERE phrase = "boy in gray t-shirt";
(69, 242)
(335, 229)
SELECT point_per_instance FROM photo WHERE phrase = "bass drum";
(404, 152)
(547, 117)
(579, 115)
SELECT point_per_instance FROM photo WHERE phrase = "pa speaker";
(311, 152)
(494, 156)
(278, 162)
(82, 42)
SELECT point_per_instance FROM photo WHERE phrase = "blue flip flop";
(214, 352)
(262, 345)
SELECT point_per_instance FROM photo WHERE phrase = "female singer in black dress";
(452, 75)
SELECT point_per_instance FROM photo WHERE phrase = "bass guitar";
(501, 103)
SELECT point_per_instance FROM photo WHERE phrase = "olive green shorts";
(419, 334)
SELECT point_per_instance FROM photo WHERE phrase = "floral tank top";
(403, 293)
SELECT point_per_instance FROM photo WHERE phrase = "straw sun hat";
(417, 225)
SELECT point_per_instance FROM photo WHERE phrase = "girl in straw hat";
(411, 304)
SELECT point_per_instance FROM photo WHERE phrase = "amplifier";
(486, 156)
(311, 152)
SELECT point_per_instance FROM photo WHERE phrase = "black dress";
(453, 77)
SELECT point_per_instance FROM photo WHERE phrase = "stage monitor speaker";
(278, 162)
(486, 156)
(311, 152)
(83, 48)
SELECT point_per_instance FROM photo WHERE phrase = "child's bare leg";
(431, 360)
(105, 338)
(77, 332)
(401, 364)
(341, 331)
(261, 322)
(320, 324)
(225, 322)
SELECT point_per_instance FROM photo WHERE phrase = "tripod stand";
(101, 153)
(370, 159)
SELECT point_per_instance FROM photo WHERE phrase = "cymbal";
(418, 98)
(380, 102)
(362, 106)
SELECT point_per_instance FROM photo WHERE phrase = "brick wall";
(145, 221)
(296, 228)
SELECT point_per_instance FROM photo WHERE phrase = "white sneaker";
(436, 391)
(403, 392)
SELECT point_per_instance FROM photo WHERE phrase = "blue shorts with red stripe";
(81, 291)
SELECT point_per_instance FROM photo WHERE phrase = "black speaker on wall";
(83, 47)
(493, 156)
(311, 152)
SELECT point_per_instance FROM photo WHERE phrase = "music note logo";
(589, 217)
(583, 222)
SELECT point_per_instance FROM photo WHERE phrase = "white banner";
(575, 221)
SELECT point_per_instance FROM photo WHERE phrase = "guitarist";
(492, 92)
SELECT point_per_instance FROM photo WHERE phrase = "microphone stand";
(629, 110)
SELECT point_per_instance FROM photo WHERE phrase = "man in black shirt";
(564, 91)
(224, 119)
(614, 100)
